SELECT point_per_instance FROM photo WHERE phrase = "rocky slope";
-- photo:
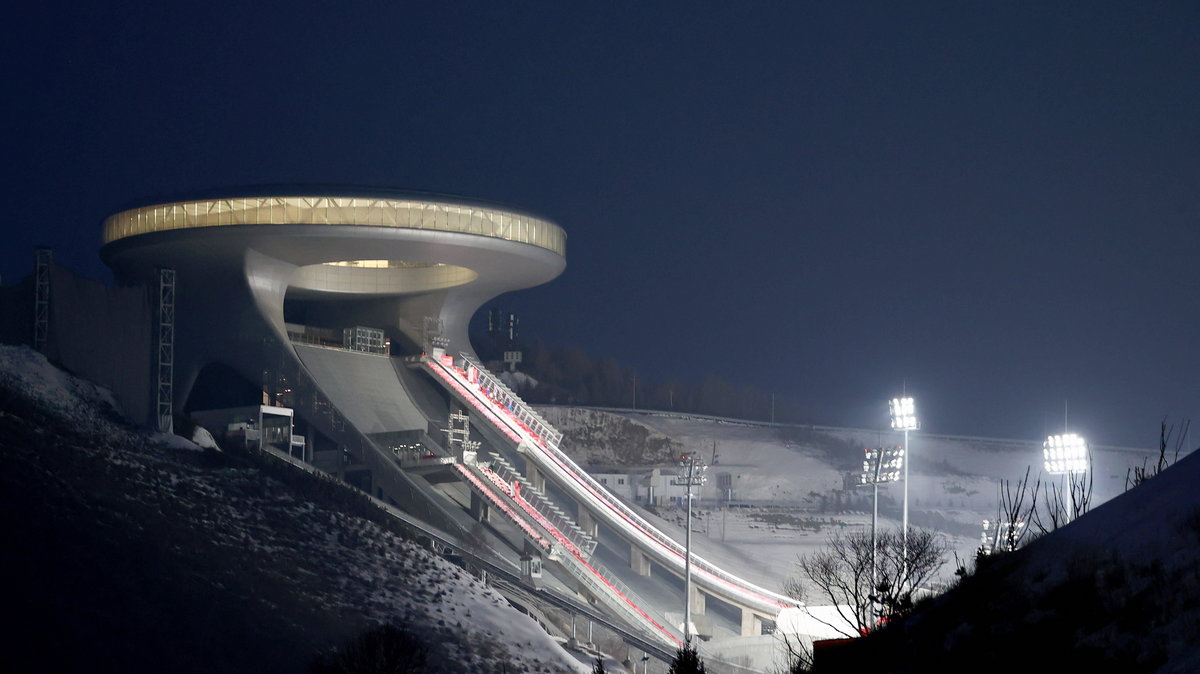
(599, 438)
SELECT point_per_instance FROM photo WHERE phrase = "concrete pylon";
(697, 601)
(534, 476)
(587, 523)
(751, 623)
(638, 561)
(480, 511)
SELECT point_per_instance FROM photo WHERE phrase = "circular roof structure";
(366, 257)
(316, 206)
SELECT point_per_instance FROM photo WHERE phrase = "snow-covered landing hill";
(769, 468)
(132, 552)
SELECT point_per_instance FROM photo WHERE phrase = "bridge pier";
(531, 564)
(751, 623)
(587, 523)
(480, 511)
(638, 561)
(697, 601)
(534, 476)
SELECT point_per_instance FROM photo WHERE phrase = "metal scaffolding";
(41, 299)
(458, 437)
(166, 349)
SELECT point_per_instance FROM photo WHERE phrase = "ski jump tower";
(350, 308)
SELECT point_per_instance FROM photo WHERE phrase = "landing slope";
(364, 387)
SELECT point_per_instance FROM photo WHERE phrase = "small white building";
(647, 486)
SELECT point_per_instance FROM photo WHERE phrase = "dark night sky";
(998, 203)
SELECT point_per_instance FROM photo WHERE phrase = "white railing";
(516, 430)
(481, 487)
(503, 396)
(603, 586)
(534, 497)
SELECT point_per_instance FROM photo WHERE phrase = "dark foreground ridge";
(124, 553)
(1118, 590)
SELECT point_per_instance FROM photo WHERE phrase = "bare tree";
(904, 569)
(1139, 474)
(1014, 511)
(1062, 503)
(797, 654)
(841, 575)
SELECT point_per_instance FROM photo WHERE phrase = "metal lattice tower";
(166, 350)
(41, 298)
(458, 437)
(458, 430)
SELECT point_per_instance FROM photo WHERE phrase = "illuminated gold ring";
(435, 215)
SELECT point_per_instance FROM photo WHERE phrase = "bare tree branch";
(1139, 474)
(1013, 514)
(841, 574)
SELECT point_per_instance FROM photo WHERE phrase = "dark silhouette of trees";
(571, 376)
(687, 661)
(381, 650)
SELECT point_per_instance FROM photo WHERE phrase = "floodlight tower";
(695, 477)
(904, 418)
(881, 464)
(1066, 454)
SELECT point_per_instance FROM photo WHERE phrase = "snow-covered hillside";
(1116, 590)
(129, 551)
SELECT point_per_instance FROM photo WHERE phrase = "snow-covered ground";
(1118, 586)
(791, 482)
(244, 536)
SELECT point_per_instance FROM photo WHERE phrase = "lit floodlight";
(1065, 454)
(881, 465)
(1000, 535)
(904, 414)
(697, 474)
